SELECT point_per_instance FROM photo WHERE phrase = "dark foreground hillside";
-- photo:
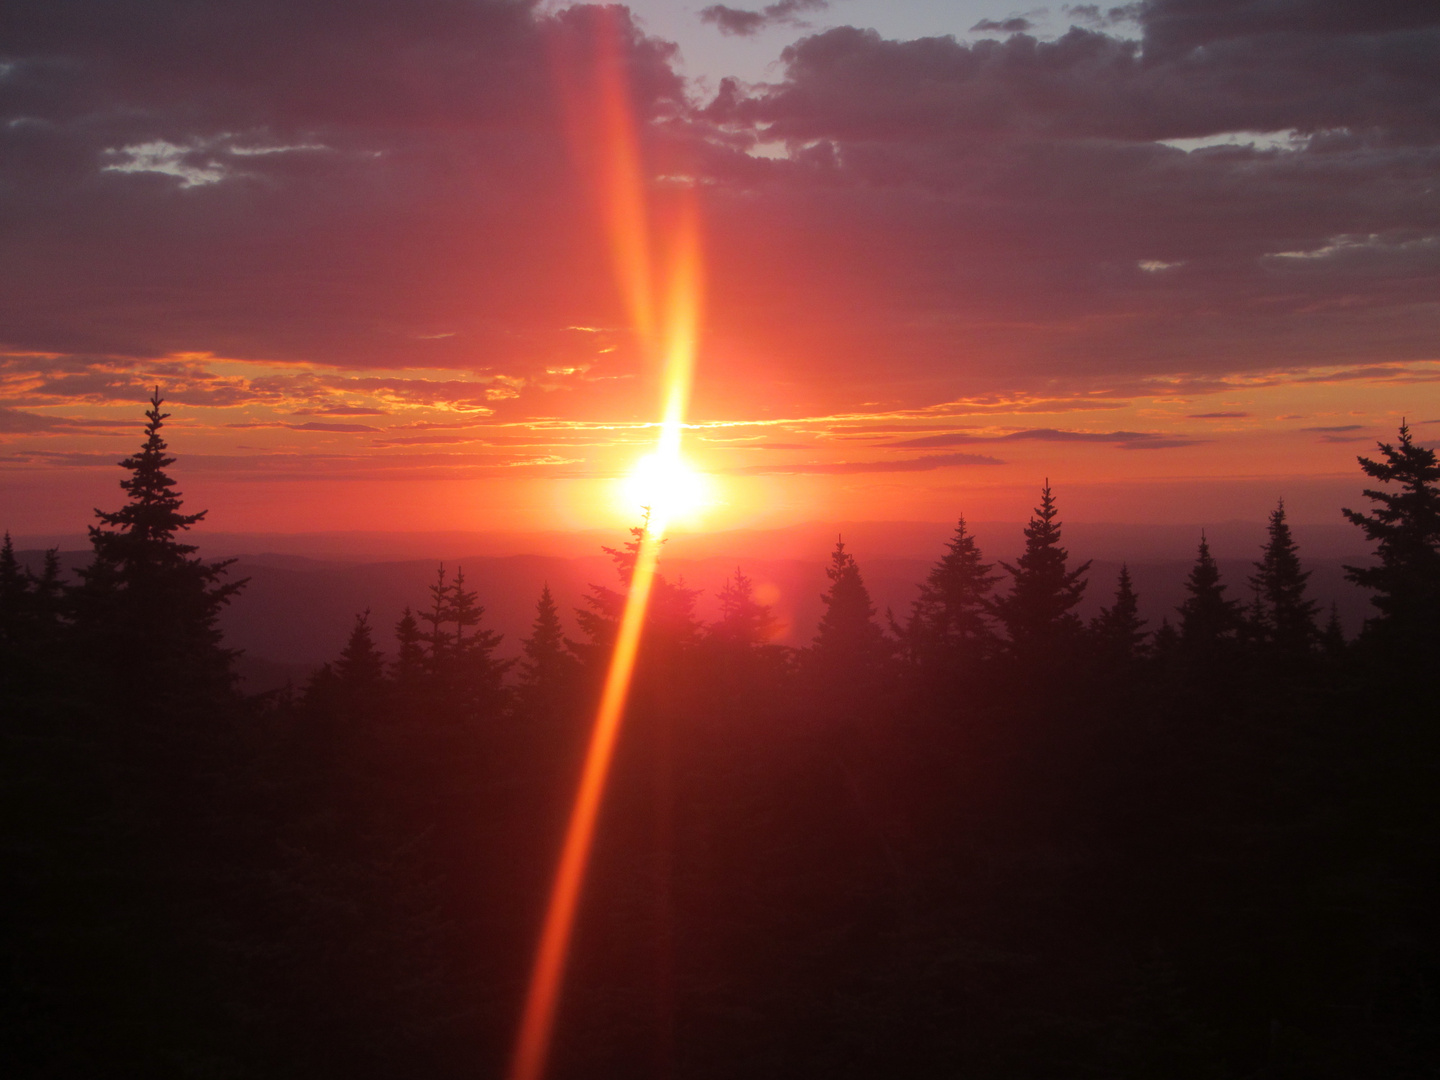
(986, 838)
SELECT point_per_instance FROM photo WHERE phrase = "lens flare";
(668, 488)
(665, 319)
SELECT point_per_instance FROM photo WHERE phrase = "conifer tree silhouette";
(463, 609)
(548, 669)
(1209, 622)
(744, 622)
(948, 631)
(17, 617)
(436, 616)
(361, 665)
(408, 668)
(1332, 639)
(850, 649)
(1286, 617)
(1038, 613)
(1405, 526)
(1118, 629)
(147, 607)
(670, 624)
(476, 675)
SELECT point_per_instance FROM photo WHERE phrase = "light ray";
(608, 112)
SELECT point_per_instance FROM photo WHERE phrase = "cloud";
(1014, 25)
(840, 468)
(1336, 428)
(744, 23)
(343, 429)
(1217, 416)
(20, 422)
(1127, 440)
(278, 208)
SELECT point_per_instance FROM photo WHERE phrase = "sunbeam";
(664, 480)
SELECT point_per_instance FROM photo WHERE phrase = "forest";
(978, 838)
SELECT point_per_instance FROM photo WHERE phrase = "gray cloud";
(1015, 25)
(744, 23)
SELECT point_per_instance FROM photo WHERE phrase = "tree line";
(982, 835)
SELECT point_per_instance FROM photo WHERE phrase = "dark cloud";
(1093, 15)
(1336, 428)
(1015, 25)
(20, 422)
(1217, 416)
(743, 22)
(384, 185)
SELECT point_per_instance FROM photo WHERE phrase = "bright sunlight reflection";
(671, 489)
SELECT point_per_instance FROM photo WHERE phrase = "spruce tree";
(436, 617)
(17, 618)
(1209, 623)
(147, 607)
(361, 665)
(948, 631)
(744, 622)
(1117, 630)
(850, 650)
(472, 670)
(464, 609)
(1405, 527)
(1038, 613)
(1332, 639)
(671, 627)
(408, 668)
(548, 670)
(1286, 616)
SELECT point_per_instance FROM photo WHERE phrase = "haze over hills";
(305, 590)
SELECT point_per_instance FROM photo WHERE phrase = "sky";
(1181, 258)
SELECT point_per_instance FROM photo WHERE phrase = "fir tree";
(670, 623)
(50, 592)
(468, 664)
(850, 650)
(436, 616)
(948, 630)
(17, 618)
(1166, 647)
(409, 666)
(463, 608)
(1118, 629)
(15, 597)
(1332, 639)
(548, 669)
(744, 623)
(1405, 527)
(1209, 623)
(147, 607)
(361, 665)
(1038, 611)
(1286, 617)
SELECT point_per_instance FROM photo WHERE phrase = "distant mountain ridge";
(298, 608)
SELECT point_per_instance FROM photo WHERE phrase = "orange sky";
(398, 308)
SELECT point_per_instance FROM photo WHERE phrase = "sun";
(671, 489)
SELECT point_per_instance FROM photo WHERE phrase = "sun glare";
(669, 488)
